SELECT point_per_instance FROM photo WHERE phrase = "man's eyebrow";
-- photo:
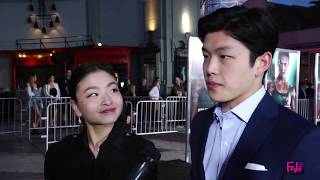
(223, 48)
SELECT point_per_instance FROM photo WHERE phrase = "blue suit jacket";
(273, 136)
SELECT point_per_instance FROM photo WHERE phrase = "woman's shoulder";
(67, 144)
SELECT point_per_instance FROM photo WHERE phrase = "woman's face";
(99, 100)
(51, 79)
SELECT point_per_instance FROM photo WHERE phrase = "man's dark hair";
(253, 27)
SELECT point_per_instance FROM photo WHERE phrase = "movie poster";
(198, 98)
(317, 89)
(282, 79)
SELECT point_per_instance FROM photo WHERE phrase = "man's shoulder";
(201, 115)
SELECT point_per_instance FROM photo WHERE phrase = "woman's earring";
(79, 120)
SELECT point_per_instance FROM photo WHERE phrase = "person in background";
(64, 84)
(52, 92)
(310, 91)
(154, 92)
(177, 87)
(302, 90)
(247, 135)
(143, 89)
(52, 88)
(36, 105)
(104, 149)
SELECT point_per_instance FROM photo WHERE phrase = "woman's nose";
(106, 99)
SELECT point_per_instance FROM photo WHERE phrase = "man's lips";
(212, 84)
(108, 110)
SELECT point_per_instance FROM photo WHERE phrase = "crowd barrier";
(156, 117)
(38, 114)
(62, 127)
(10, 115)
(306, 108)
(135, 99)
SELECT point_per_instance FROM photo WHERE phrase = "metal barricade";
(156, 117)
(135, 99)
(10, 115)
(38, 113)
(306, 108)
(62, 126)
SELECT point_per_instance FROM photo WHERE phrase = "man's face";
(178, 81)
(229, 77)
(283, 65)
(69, 73)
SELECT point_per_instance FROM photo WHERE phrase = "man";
(247, 135)
(64, 84)
(177, 87)
(284, 93)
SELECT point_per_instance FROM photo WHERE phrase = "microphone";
(145, 167)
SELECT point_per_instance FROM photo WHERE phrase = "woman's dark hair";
(83, 71)
(253, 27)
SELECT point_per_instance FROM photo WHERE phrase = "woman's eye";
(114, 90)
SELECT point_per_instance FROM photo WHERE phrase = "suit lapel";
(207, 119)
(253, 136)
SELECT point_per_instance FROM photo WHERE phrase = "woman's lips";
(108, 110)
(213, 85)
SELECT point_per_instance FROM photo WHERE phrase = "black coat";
(71, 158)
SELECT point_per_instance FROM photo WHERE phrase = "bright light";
(24, 56)
(151, 15)
(50, 54)
(185, 23)
(20, 56)
(39, 56)
(99, 44)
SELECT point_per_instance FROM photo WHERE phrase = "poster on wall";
(317, 89)
(282, 78)
(198, 98)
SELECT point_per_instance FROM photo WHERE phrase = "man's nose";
(212, 66)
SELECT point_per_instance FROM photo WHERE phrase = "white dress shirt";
(224, 134)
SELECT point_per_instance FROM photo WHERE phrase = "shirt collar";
(245, 109)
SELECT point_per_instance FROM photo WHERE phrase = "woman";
(283, 92)
(52, 88)
(154, 93)
(104, 149)
(35, 102)
(52, 91)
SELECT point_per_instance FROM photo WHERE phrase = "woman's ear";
(75, 108)
(262, 63)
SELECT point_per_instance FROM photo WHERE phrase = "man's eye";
(205, 56)
(225, 57)
(93, 95)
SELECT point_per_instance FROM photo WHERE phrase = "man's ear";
(75, 108)
(262, 63)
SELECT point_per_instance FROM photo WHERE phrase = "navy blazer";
(273, 136)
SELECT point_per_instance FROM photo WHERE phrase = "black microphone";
(145, 167)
